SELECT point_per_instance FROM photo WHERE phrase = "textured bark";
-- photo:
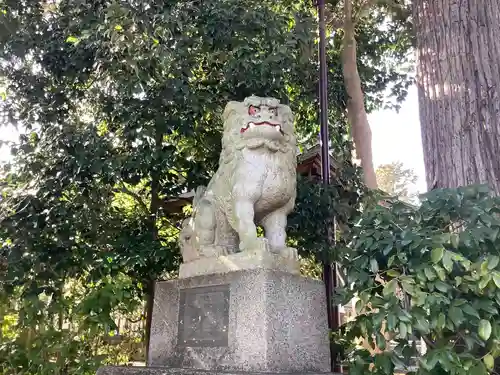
(356, 111)
(458, 76)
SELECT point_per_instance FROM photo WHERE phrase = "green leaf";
(419, 298)
(496, 279)
(391, 260)
(390, 288)
(489, 361)
(469, 310)
(494, 234)
(398, 362)
(358, 307)
(471, 342)
(403, 330)
(408, 287)
(479, 369)
(437, 254)
(72, 39)
(384, 362)
(484, 330)
(380, 340)
(442, 287)
(441, 321)
(429, 273)
(442, 238)
(455, 240)
(373, 265)
(404, 316)
(430, 360)
(391, 321)
(393, 273)
(441, 273)
(484, 281)
(456, 315)
(422, 325)
(448, 261)
(493, 261)
(484, 268)
(388, 249)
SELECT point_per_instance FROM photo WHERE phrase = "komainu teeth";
(252, 125)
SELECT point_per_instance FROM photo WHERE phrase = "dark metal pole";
(329, 271)
(323, 96)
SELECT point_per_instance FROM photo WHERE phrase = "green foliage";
(428, 273)
(384, 34)
(120, 103)
(310, 267)
(73, 333)
(397, 181)
(321, 208)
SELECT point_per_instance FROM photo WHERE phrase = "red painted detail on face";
(264, 123)
(252, 110)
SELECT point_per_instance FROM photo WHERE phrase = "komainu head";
(258, 122)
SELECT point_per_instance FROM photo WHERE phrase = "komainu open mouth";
(253, 124)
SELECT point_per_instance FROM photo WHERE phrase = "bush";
(429, 273)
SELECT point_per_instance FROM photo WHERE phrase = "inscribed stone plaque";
(204, 316)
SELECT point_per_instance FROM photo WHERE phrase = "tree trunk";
(458, 77)
(356, 112)
(154, 209)
(148, 309)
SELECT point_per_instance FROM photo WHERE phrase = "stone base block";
(122, 370)
(253, 320)
(245, 260)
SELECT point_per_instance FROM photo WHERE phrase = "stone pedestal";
(246, 260)
(122, 370)
(251, 320)
(254, 321)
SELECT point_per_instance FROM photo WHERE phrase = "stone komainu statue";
(254, 185)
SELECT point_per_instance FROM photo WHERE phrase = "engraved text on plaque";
(204, 316)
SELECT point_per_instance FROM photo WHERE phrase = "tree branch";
(133, 321)
(169, 222)
(366, 5)
(332, 20)
(136, 197)
(428, 342)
